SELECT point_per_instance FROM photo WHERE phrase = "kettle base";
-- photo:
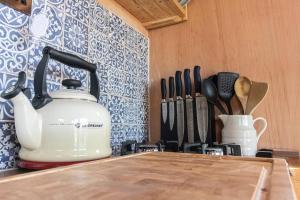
(36, 165)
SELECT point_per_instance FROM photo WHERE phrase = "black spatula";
(226, 82)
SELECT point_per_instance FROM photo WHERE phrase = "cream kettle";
(239, 129)
(67, 125)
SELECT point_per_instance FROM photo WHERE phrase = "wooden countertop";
(157, 176)
(294, 166)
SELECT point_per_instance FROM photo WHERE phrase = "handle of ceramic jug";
(262, 130)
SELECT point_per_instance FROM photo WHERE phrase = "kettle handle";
(265, 124)
(41, 97)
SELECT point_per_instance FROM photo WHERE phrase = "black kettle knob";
(71, 83)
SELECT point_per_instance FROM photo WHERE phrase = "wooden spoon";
(242, 89)
(257, 93)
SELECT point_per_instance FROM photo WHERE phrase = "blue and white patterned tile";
(103, 78)
(142, 133)
(13, 36)
(75, 36)
(12, 39)
(136, 132)
(98, 47)
(118, 134)
(6, 106)
(116, 82)
(143, 70)
(55, 30)
(78, 9)
(34, 57)
(52, 86)
(142, 90)
(116, 29)
(59, 4)
(13, 19)
(142, 44)
(9, 146)
(93, 4)
(116, 109)
(130, 86)
(12, 62)
(116, 54)
(131, 111)
(116, 144)
(99, 20)
(131, 38)
(103, 99)
(131, 61)
(143, 112)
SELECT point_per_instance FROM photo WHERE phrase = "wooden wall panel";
(256, 38)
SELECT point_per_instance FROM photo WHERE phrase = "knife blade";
(164, 110)
(189, 106)
(201, 107)
(171, 103)
(179, 108)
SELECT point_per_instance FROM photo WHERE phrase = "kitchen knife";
(171, 109)
(201, 107)
(189, 107)
(179, 108)
(164, 111)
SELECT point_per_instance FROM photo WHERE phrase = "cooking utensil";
(189, 107)
(257, 93)
(62, 127)
(179, 108)
(211, 132)
(164, 111)
(171, 110)
(242, 89)
(211, 93)
(201, 107)
(226, 82)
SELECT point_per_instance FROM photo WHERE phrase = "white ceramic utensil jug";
(239, 129)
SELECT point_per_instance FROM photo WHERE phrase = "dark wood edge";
(286, 153)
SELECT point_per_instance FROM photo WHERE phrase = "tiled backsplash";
(84, 28)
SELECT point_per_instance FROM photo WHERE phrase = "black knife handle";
(171, 87)
(178, 83)
(163, 88)
(197, 79)
(187, 82)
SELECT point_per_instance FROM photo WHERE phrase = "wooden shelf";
(155, 13)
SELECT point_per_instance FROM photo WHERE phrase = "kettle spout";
(28, 122)
(223, 118)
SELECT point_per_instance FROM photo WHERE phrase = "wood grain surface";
(155, 13)
(117, 9)
(156, 176)
(259, 39)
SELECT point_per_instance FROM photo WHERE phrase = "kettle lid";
(72, 94)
